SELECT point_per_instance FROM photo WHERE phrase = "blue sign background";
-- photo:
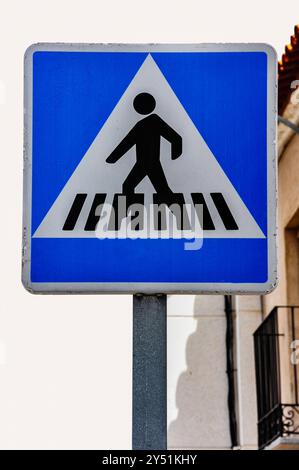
(225, 94)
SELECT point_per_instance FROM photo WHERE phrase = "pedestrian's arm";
(122, 147)
(173, 137)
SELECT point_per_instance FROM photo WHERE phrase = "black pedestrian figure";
(146, 135)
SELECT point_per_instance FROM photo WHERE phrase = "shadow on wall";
(202, 419)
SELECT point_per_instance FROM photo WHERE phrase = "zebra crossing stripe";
(160, 204)
(74, 212)
(202, 211)
(177, 201)
(224, 211)
(93, 217)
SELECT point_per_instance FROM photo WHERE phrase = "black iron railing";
(277, 374)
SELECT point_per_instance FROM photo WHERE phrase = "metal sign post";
(149, 372)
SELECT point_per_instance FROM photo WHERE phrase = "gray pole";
(149, 372)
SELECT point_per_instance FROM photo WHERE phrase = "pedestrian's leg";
(159, 181)
(133, 179)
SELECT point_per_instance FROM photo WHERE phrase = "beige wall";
(287, 291)
(247, 319)
(288, 205)
(197, 381)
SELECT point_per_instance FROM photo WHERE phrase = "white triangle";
(196, 170)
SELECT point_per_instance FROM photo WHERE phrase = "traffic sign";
(150, 168)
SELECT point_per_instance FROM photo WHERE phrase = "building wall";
(288, 205)
(287, 291)
(198, 415)
(248, 316)
(197, 381)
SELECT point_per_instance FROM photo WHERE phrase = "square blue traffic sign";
(150, 168)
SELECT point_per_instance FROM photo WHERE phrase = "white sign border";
(153, 288)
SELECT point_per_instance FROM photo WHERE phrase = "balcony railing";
(276, 344)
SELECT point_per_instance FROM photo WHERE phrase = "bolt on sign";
(150, 168)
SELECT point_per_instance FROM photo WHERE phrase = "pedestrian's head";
(144, 103)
